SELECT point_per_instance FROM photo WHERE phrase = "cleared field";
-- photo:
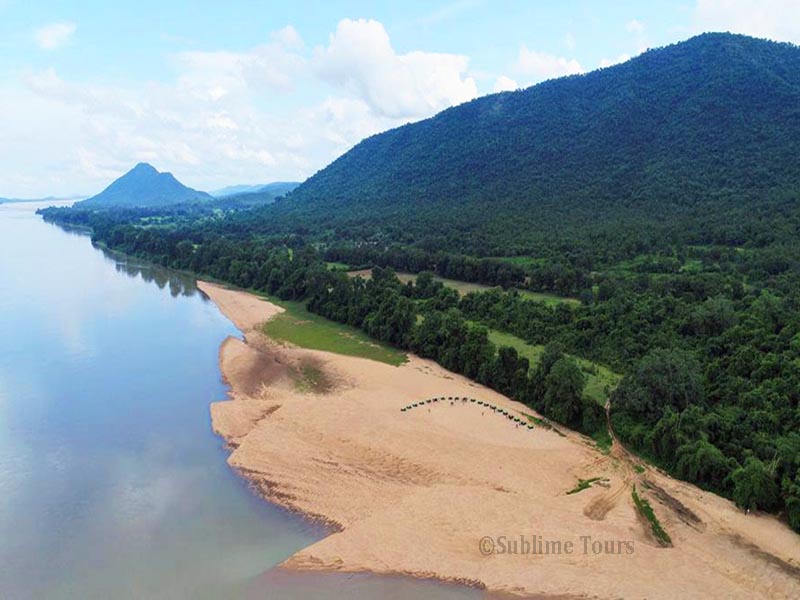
(302, 328)
(365, 273)
(520, 260)
(337, 266)
(600, 380)
(530, 351)
(549, 299)
(464, 287)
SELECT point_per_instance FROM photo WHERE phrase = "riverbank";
(414, 492)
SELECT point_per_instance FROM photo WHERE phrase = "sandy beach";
(442, 489)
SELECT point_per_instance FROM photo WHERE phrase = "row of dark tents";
(464, 400)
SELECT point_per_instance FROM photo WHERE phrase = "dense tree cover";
(658, 126)
(682, 130)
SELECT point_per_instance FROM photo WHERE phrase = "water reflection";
(179, 284)
(112, 483)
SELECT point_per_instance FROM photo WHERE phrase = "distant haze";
(145, 186)
(277, 188)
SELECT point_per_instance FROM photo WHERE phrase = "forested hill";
(145, 186)
(714, 117)
(272, 190)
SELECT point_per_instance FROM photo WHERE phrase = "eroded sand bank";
(415, 492)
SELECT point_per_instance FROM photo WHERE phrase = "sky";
(245, 92)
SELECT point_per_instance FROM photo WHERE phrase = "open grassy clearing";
(337, 266)
(662, 267)
(548, 299)
(533, 352)
(520, 260)
(302, 328)
(462, 287)
(600, 380)
(465, 287)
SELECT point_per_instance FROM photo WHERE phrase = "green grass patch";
(533, 352)
(583, 484)
(545, 424)
(644, 508)
(465, 287)
(664, 267)
(693, 265)
(522, 261)
(537, 421)
(337, 266)
(310, 377)
(603, 440)
(548, 299)
(639, 469)
(462, 287)
(600, 380)
(302, 328)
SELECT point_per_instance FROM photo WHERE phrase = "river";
(112, 483)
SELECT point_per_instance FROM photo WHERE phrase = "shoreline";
(414, 492)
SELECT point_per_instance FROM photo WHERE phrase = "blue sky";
(246, 92)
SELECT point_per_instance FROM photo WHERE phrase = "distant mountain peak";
(276, 188)
(144, 185)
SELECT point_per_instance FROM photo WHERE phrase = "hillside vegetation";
(713, 121)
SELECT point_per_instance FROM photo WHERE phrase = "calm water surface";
(112, 483)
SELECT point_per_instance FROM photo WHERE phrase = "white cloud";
(194, 135)
(541, 65)
(54, 35)
(634, 26)
(637, 28)
(773, 19)
(360, 59)
(224, 116)
(505, 84)
(345, 121)
(221, 120)
(288, 37)
(215, 74)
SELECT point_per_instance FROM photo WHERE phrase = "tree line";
(705, 326)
